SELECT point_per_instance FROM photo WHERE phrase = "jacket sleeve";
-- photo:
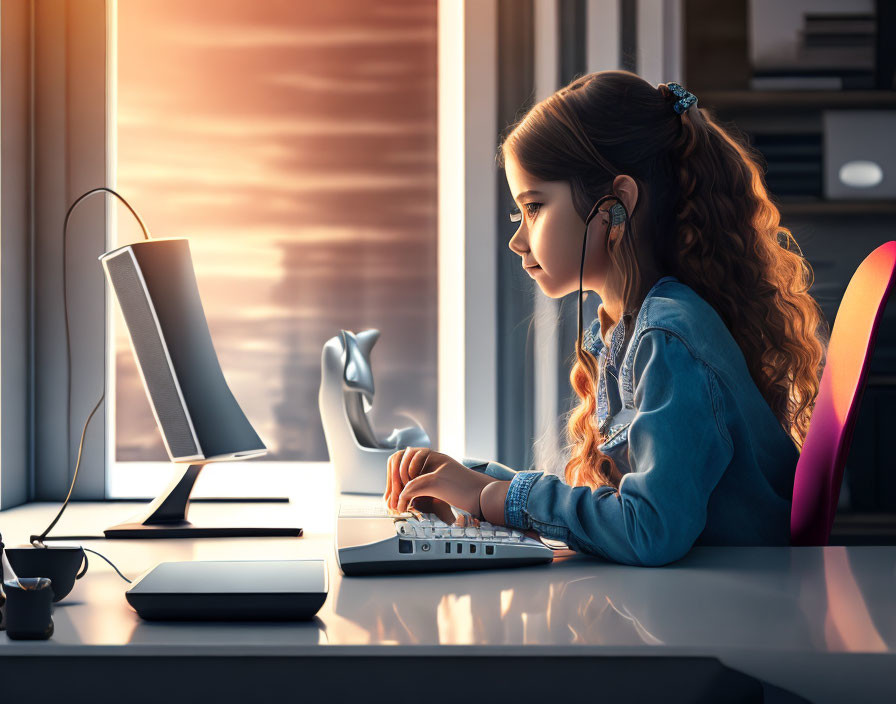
(678, 446)
(493, 469)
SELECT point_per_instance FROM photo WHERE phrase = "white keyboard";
(370, 539)
(432, 527)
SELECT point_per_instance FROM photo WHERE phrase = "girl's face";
(550, 236)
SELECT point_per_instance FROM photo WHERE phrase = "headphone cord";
(594, 211)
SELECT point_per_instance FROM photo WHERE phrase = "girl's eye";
(531, 209)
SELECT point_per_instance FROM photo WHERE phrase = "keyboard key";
(429, 527)
(406, 529)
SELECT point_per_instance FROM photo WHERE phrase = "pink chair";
(819, 471)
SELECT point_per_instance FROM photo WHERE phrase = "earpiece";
(617, 211)
(617, 214)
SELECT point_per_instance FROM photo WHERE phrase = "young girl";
(698, 377)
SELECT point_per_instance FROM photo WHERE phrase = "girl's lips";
(532, 269)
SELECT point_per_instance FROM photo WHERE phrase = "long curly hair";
(705, 217)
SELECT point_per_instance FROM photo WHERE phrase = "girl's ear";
(625, 188)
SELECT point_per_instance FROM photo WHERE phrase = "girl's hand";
(404, 465)
(437, 479)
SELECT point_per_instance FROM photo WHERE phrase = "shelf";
(858, 528)
(819, 206)
(733, 100)
(861, 519)
(880, 380)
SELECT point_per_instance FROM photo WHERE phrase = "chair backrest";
(819, 471)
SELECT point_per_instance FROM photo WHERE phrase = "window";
(294, 144)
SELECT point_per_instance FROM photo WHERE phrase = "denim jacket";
(704, 459)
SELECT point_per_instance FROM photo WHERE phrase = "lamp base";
(166, 517)
(188, 530)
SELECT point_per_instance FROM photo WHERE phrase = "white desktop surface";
(820, 622)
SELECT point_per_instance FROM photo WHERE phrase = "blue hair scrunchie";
(685, 98)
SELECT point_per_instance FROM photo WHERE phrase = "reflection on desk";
(817, 621)
(764, 598)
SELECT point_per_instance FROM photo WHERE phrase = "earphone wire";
(594, 211)
(68, 349)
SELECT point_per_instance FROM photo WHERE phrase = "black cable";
(68, 347)
(71, 488)
(110, 562)
(68, 343)
(84, 537)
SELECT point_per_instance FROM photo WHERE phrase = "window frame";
(63, 127)
(15, 273)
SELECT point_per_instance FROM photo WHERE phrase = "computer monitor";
(197, 414)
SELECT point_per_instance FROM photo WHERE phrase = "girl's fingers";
(395, 480)
(406, 462)
(417, 465)
(400, 477)
(442, 509)
(388, 491)
(413, 488)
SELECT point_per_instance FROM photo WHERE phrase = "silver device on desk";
(357, 452)
(370, 540)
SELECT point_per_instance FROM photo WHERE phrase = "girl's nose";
(518, 244)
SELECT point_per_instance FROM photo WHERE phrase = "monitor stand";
(166, 516)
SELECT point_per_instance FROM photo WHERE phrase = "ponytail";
(729, 250)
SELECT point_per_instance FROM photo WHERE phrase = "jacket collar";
(608, 326)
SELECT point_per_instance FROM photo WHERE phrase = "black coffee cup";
(60, 563)
(29, 608)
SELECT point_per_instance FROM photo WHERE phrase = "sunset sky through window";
(294, 144)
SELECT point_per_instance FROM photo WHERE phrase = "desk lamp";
(200, 420)
(198, 416)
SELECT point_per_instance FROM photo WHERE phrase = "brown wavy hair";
(705, 217)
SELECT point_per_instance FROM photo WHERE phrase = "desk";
(820, 622)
